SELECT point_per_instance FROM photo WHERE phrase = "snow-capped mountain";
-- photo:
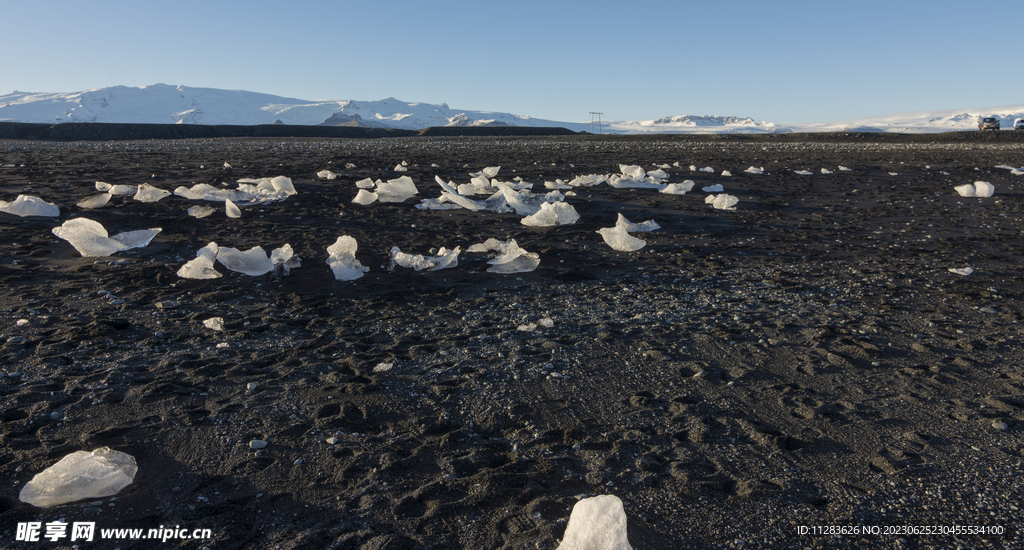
(164, 104)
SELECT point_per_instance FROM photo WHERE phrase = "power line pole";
(598, 115)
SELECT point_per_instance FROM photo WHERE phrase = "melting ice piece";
(488, 172)
(977, 189)
(90, 237)
(81, 475)
(722, 202)
(511, 258)
(401, 168)
(550, 214)
(619, 239)
(365, 197)
(207, 192)
(27, 205)
(804, 172)
(453, 196)
(445, 258)
(341, 257)
(678, 188)
(253, 262)
(214, 323)
(754, 170)
(717, 188)
(231, 209)
(201, 211)
(726, 173)
(596, 523)
(283, 185)
(708, 169)
(202, 266)
(844, 169)
(826, 171)
(649, 225)
(95, 201)
(365, 183)
(400, 186)
(326, 174)
(961, 270)
(587, 181)
(148, 193)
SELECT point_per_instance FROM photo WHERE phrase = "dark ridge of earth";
(805, 360)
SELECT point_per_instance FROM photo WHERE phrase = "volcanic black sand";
(807, 360)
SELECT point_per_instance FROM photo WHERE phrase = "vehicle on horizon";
(1018, 124)
(988, 123)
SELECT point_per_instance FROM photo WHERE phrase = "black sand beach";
(804, 361)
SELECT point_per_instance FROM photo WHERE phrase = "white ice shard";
(116, 189)
(214, 323)
(207, 192)
(803, 172)
(716, 188)
(341, 257)
(708, 169)
(326, 174)
(488, 172)
(253, 262)
(632, 172)
(619, 239)
(400, 186)
(444, 259)
(722, 202)
(231, 209)
(754, 170)
(267, 189)
(202, 266)
(977, 189)
(643, 227)
(966, 190)
(148, 193)
(81, 475)
(365, 197)
(27, 205)
(95, 201)
(283, 185)
(587, 181)
(596, 523)
(551, 214)
(961, 270)
(200, 211)
(826, 171)
(510, 259)
(90, 238)
(366, 183)
(844, 169)
(453, 196)
(439, 203)
(678, 188)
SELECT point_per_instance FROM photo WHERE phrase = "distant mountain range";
(165, 104)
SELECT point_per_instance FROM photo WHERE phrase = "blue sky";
(785, 61)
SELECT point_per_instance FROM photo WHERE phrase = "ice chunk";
(649, 225)
(400, 168)
(984, 189)
(717, 188)
(844, 169)
(401, 186)
(961, 270)
(724, 202)
(207, 192)
(326, 174)
(511, 258)
(826, 171)
(103, 186)
(231, 210)
(95, 201)
(550, 214)
(214, 323)
(632, 172)
(804, 172)
(754, 170)
(253, 262)
(341, 257)
(365, 183)
(122, 190)
(202, 266)
(285, 257)
(283, 186)
(596, 523)
(439, 203)
(445, 258)
(27, 205)
(708, 169)
(453, 196)
(488, 172)
(726, 173)
(148, 193)
(81, 475)
(966, 190)
(365, 197)
(90, 237)
(226, 165)
(657, 175)
(678, 188)
(619, 239)
(587, 181)
(546, 322)
(201, 211)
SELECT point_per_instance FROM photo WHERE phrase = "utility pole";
(598, 115)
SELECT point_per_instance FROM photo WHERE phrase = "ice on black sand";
(90, 238)
(81, 475)
(981, 189)
(341, 257)
(596, 523)
(444, 259)
(510, 259)
(27, 205)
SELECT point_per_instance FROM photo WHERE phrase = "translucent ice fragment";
(283, 185)
(90, 237)
(754, 170)
(966, 190)
(984, 189)
(400, 168)
(365, 183)
(961, 270)
(632, 172)
(122, 190)
(826, 171)
(326, 174)
(201, 211)
(202, 266)
(551, 214)
(596, 523)
(27, 205)
(587, 181)
(148, 193)
(214, 323)
(717, 188)
(649, 225)
(81, 475)
(231, 209)
(341, 257)
(453, 196)
(510, 259)
(365, 197)
(253, 262)
(489, 172)
(619, 239)
(95, 201)
(678, 188)
(724, 202)
(445, 258)
(804, 172)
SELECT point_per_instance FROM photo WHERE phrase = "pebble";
(22, 322)
(166, 304)
(332, 440)
(251, 386)
(297, 461)
(257, 444)
(999, 425)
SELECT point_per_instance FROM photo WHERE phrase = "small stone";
(251, 386)
(176, 489)
(332, 440)
(22, 322)
(1001, 426)
(987, 310)
(257, 444)
(166, 304)
(297, 462)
